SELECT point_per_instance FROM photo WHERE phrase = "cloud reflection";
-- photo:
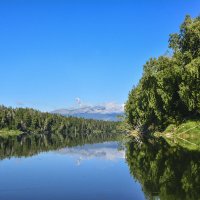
(105, 151)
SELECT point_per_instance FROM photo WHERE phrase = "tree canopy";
(169, 90)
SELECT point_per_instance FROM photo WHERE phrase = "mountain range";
(103, 112)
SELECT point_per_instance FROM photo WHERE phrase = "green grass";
(6, 133)
(186, 135)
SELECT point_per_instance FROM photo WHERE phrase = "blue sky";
(52, 52)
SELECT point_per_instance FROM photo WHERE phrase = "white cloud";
(101, 108)
(112, 107)
(78, 101)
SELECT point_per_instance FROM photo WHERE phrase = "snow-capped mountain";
(108, 112)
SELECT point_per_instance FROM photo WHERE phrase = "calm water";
(92, 171)
(42, 167)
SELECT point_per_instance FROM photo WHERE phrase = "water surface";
(92, 171)
(50, 167)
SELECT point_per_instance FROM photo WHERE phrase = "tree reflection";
(164, 172)
(28, 145)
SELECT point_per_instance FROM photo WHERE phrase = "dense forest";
(165, 172)
(29, 121)
(169, 90)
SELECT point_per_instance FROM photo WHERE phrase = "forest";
(27, 121)
(169, 90)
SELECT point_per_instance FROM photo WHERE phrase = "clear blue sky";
(54, 51)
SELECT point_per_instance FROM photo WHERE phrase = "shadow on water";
(164, 172)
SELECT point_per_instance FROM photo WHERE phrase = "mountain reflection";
(28, 145)
(164, 172)
(105, 151)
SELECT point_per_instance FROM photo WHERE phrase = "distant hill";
(91, 112)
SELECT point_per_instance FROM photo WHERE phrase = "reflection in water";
(28, 145)
(105, 151)
(165, 172)
(101, 173)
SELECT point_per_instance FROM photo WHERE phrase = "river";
(39, 168)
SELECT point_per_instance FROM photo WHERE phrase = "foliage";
(30, 121)
(6, 133)
(169, 90)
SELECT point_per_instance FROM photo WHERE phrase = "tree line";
(30, 121)
(169, 90)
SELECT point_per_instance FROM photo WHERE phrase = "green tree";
(169, 90)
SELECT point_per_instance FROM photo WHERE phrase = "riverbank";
(186, 135)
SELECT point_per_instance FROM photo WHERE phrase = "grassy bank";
(6, 133)
(186, 135)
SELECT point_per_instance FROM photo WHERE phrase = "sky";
(53, 52)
